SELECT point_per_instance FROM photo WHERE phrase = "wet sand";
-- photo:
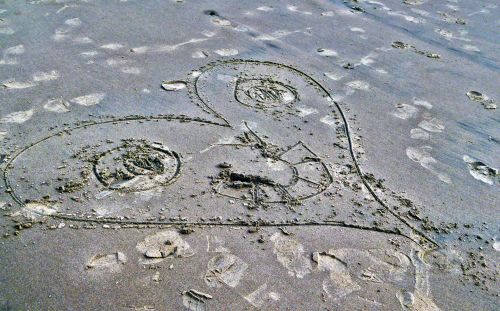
(323, 155)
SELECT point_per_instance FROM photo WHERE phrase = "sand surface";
(249, 155)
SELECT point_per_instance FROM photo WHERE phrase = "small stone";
(186, 230)
(174, 85)
(153, 253)
(348, 66)
(224, 165)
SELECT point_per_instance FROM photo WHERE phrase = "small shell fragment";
(174, 85)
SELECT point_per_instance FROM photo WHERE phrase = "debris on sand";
(194, 300)
(110, 262)
(174, 85)
(348, 66)
(399, 45)
(402, 46)
(285, 232)
(198, 294)
(225, 269)
(186, 230)
(483, 99)
(162, 245)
